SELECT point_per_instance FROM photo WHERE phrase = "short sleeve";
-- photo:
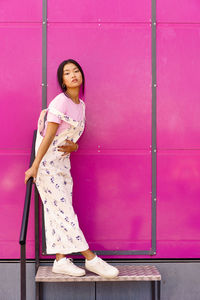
(53, 118)
(57, 106)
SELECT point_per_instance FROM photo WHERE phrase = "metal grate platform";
(126, 273)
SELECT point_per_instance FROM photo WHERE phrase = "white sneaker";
(67, 267)
(101, 267)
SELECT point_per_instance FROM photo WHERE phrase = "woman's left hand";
(31, 172)
(68, 147)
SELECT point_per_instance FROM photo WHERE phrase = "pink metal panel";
(20, 83)
(177, 202)
(12, 189)
(111, 171)
(178, 196)
(118, 80)
(112, 198)
(99, 11)
(21, 11)
(184, 11)
(178, 77)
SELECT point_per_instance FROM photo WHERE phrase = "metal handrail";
(24, 225)
(29, 184)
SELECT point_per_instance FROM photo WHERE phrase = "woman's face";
(72, 76)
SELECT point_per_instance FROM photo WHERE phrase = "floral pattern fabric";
(54, 183)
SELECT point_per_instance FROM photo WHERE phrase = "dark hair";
(60, 74)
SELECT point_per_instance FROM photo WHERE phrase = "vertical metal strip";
(44, 54)
(44, 90)
(154, 132)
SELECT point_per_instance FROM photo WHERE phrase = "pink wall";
(112, 169)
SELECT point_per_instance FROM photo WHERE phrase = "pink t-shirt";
(65, 105)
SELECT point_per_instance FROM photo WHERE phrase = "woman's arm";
(47, 140)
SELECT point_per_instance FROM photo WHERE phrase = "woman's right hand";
(68, 147)
(31, 172)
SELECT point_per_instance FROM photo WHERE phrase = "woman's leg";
(88, 254)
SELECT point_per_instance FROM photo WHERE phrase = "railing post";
(23, 271)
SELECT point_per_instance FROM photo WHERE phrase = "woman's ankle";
(88, 254)
(59, 256)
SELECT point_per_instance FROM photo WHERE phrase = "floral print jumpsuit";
(54, 183)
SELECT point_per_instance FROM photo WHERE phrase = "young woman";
(56, 138)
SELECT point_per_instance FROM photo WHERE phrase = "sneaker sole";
(65, 273)
(104, 276)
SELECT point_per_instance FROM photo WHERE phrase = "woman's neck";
(73, 94)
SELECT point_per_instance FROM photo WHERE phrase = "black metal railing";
(24, 224)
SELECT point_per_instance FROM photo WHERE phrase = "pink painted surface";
(118, 86)
(12, 189)
(20, 85)
(21, 11)
(99, 11)
(114, 166)
(178, 78)
(178, 196)
(107, 191)
(115, 188)
(175, 11)
(112, 169)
